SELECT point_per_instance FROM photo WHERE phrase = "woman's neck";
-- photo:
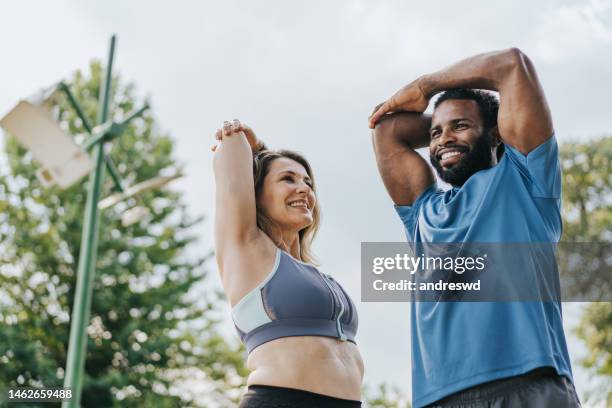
(290, 242)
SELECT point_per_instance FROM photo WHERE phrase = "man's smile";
(450, 156)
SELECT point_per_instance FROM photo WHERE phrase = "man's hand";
(410, 98)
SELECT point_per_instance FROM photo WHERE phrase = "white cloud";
(574, 31)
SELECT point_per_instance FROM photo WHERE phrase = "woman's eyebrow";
(293, 173)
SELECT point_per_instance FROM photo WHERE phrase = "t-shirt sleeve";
(409, 213)
(541, 166)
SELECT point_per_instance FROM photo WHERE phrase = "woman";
(298, 324)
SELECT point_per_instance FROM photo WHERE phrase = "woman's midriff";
(322, 365)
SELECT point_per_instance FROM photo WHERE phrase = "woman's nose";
(302, 188)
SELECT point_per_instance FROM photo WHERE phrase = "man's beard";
(476, 159)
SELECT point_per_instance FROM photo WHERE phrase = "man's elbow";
(517, 61)
(382, 131)
(515, 54)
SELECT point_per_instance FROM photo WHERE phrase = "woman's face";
(287, 197)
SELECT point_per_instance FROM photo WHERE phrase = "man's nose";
(446, 137)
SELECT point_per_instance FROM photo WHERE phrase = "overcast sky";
(305, 76)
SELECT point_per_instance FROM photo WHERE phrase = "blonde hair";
(261, 167)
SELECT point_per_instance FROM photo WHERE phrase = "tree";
(385, 397)
(587, 185)
(587, 188)
(148, 333)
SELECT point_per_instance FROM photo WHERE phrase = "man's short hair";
(487, 104)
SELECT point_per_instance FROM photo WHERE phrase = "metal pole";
(87, 257)
(110, 166)
(76, 106)
(134, 115)
(112, 170)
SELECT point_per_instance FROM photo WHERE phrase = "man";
(501, 159)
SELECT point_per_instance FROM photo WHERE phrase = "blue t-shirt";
(457, 345)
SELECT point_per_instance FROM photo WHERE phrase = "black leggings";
(266, 396)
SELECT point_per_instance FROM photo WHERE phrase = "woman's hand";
(236, 127)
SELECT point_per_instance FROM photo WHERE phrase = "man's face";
(459, 145)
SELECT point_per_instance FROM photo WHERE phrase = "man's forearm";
(483, 71)
(403, 171)
(405, 129)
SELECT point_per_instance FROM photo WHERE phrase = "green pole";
(87, 257)
(110, 166)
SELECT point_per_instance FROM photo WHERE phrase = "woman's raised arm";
(235, 220)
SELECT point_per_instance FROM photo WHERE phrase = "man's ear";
(496, 139)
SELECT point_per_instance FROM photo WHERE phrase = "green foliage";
(148, 333)
(595, 330)
(587, 190)
(385, 397)
(587, 187)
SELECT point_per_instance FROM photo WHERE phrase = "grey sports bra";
(295, 299)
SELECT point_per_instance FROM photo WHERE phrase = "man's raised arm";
(524, 119)
(404, 172)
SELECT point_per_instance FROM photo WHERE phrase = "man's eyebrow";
(453, 121)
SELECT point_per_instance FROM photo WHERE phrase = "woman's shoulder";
(243, 267)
